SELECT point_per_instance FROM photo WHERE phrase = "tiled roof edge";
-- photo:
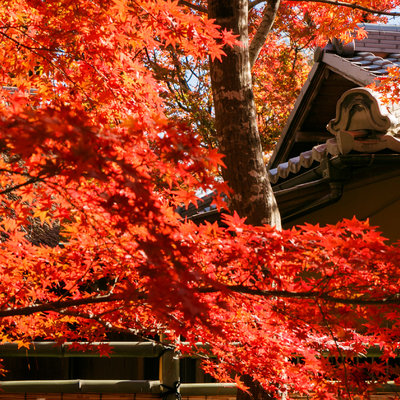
(304, 160)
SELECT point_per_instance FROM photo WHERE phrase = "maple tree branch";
(108, 325)
(130, 331)
(60, 305)
(193, 6)
(354, 6)
(269, 15)
(303, 296)
(28, 182)
(41, 46)
(33, 49)
(57, 67)
(11, 172)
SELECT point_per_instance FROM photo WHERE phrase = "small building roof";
(338, 68)
(339, 153)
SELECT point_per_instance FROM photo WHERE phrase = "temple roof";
(338, 68)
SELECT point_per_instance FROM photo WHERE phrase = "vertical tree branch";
(269, 15)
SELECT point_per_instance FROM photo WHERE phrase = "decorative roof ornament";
(364, 124)
(344, 49)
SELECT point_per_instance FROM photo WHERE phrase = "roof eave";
(348, 70)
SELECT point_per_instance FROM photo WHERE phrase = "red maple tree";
(94, 163)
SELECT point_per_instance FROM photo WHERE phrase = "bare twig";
(193, 6)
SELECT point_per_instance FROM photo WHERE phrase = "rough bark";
(236, 122)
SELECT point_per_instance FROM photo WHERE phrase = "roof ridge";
(379, 27)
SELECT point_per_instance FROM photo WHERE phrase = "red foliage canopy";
(90, 159)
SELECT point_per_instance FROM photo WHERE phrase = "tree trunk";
(236, 122)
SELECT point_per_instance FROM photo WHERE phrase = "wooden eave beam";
(312, 137)
(347, 69)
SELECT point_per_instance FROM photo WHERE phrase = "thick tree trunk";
(236, 122)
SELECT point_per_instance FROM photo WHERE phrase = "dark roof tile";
(380, 72)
